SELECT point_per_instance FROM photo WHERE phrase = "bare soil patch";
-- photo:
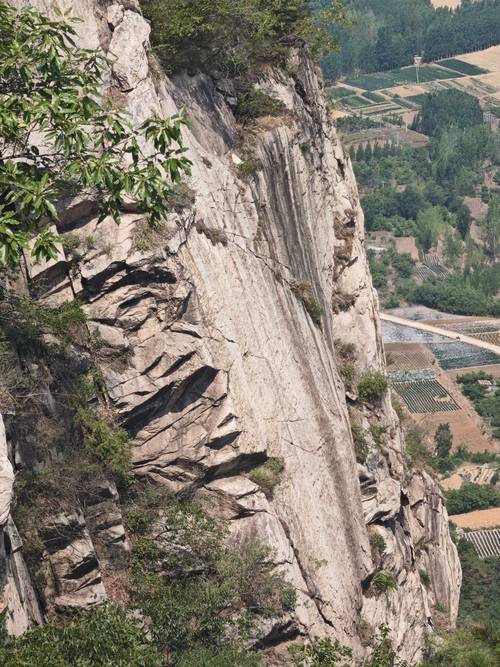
(480, 519)
(450, 4)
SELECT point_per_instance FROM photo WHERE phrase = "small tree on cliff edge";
(444, 440)
(60, 136)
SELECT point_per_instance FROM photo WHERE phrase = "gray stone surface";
(213, 364)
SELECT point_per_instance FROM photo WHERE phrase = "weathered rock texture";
(214, 364)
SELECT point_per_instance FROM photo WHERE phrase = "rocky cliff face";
(214, 365)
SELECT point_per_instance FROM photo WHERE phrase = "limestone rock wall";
(213, 363)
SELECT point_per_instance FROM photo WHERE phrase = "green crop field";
(374, 97)
(417, 99)
(339, 92)
(461, 66)
(425, 396)
(355, 102)
(397, 77)
(371, 81)
(460, 355)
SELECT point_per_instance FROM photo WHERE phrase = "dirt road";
(441, 332)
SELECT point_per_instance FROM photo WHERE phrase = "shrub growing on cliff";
(51, 89)
(320, 653)
(372, 387)
(268, 475)
(195, 590)
(383, 581)
(304, 292)
(104, 442)
(234, 35)
(98, 638)
(255, 103)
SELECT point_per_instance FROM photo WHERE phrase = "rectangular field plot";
(492, 337)
(425, 396)
(407, 361)
(426, 73)
(371, 81)
(463, 67)
(461, 355)
(339, 93)
(472, 327)
(355, 101)
(486, 542)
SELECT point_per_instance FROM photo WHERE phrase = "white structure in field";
(418, 63)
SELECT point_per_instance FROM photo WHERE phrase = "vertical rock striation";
(214, 364)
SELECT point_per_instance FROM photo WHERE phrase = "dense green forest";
(386, 34)
(420, 192)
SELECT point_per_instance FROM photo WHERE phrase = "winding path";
(441, 332)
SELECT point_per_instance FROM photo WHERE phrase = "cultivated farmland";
(460, 355)
(486, 542)
(425, 396)
(423, 367)
(449, 4)
(396, 91)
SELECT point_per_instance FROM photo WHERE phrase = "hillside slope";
(213, 363)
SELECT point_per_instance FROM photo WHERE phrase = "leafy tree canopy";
(448, 108)
(60, 136)
(233, 35)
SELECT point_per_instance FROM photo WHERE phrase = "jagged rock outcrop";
(17, 597)
(214, 364)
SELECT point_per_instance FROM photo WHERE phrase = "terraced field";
(425, 396)
(407, 357)
(423, 367)
(486, 542)
(489, 337)
(404, 75)
(460, 355)
(397, 92)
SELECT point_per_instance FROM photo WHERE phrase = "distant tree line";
(386, 34)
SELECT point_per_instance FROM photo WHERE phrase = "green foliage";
(443, 440)
(378, 432)
(486, 403)
(250, 165)
(196, 591)
(385, 35)
(425, 578)
(51, 89)
(472, 497)
(346, 350)
(453, 295)
(320, 653)
(268, 475)
(480, 593)
(103, 442)
(234, 35)
(384, 654)
(360, 442)
(391, 273)
(383, 581)
(348, 373)
(101, 637)
(450, 107)
(417, 454)
(475, 646)
(255, 103)
(377, 543)
(228, 656)
(372, 387)
(492, 227)
(25, 322)
(304, 292)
